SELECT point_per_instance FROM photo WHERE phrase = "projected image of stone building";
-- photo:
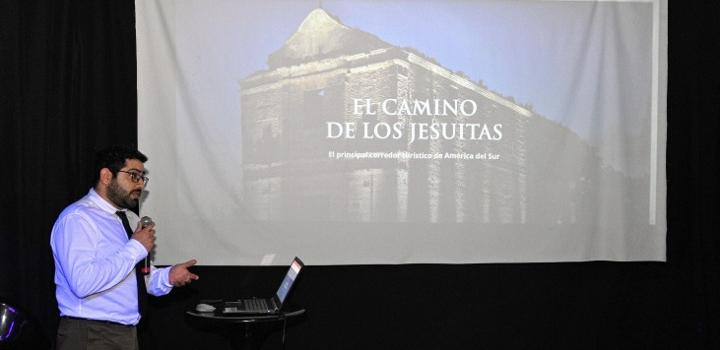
(315, 78)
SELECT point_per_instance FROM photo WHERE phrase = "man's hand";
(145, 235)
(179, 274)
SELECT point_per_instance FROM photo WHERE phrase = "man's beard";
(120, 197)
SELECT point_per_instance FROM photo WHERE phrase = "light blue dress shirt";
(95, 263)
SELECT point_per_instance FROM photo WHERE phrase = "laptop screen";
(289, 279)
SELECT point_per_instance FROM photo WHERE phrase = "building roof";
(321, 35)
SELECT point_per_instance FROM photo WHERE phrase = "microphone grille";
(146, 221)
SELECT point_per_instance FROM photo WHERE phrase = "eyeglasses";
(136, 177)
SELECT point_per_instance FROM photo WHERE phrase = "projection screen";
(392, 132)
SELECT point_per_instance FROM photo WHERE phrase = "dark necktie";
(142, 292)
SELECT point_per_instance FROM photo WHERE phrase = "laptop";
(266, 305)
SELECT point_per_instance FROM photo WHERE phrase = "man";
(96, 254)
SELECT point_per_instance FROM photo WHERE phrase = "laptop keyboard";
(256, 305)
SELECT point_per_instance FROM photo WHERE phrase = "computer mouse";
(204, 308)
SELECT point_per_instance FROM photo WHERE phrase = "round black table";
(246, 331)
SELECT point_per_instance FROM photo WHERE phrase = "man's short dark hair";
(114, 158)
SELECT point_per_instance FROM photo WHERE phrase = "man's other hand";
(180, 275)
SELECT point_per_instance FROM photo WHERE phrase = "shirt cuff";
(160, 281)
(137, 250)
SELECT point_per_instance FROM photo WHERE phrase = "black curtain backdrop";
(68, 78)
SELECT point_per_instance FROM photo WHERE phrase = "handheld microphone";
(145, 222)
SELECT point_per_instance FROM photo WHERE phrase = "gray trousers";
(78, 334)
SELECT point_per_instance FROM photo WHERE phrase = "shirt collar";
(102, 203)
